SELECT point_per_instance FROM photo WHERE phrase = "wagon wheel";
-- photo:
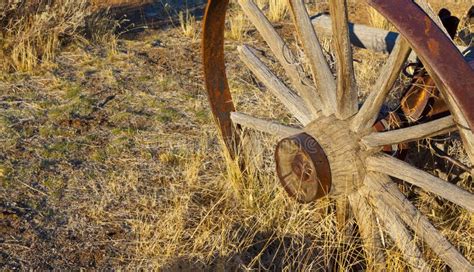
(335, 151)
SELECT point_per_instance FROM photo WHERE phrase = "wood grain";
(387, 192)
(369, 112)
(284, 55)
(262, 125)
(423, 131)
(397, 230)
(369, 230)
(346, 91)
(322, 75)
(388, 165)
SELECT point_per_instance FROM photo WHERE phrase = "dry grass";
(276, 10)
(188, 24)
(110, 161)
(32, 31)
(238, 25)
(378, 20)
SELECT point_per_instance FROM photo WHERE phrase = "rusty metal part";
(215, 77)
(303, 168)
(421, 98)
(435, 48)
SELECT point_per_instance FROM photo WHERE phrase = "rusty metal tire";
(219, 96)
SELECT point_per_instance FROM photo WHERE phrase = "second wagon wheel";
(335, 151)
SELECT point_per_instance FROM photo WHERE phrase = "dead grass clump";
(32, 31)
(238, 25)
(277, 10)
(188, 24)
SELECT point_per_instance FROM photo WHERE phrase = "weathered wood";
(397, 230)
(388, 165)
(368, 229)
(322, 75)
(363, 36)
(342, 151)
(262, 125)
(386, 191)
(404, 135)
(291, 100)
(369, 112)
(346, 91)
(284, 55)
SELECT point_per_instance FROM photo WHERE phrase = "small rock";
(158, 43)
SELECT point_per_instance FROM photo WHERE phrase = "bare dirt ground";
(109, 158)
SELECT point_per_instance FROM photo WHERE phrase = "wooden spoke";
(393, 167)
(397, 230)
(367, 115)
(270, 127)
(322, 74)
(342, 212)
(284, 56)
(387, 192)
(346, 91)
(368, 229)
(404, 135)
(291, 100)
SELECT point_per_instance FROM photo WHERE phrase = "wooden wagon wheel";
(335, 151)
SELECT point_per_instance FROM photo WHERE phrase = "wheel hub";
(320, 162)
(303, 168)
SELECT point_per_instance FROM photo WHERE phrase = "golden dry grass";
(32, 32)
(188, 24)
(378, 20)
(276, 10)
(238, 25)
(110, 160)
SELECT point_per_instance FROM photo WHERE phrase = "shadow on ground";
(156, 13)
(266, 253)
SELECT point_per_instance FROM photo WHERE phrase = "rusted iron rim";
(435, 48)
(215, 77)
